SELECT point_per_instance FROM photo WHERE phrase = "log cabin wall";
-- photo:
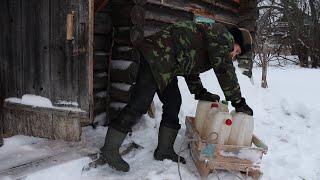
(39, 56)
(103, 34)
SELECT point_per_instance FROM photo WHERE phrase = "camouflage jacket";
(187, 49)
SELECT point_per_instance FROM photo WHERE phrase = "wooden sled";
(209, 157)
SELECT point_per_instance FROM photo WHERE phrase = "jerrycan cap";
(228, 122)
(214, 105)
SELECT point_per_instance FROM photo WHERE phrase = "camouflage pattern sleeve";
(220, 44)
(194, 83)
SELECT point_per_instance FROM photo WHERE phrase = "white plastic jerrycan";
(241, 130)
(218, 125)
(202, 111)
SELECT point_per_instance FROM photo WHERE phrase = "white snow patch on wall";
(68, 103)
(117, 105)
(101, 75)
(121, 86)
(38, 101)
(120, 64)
(102, 94)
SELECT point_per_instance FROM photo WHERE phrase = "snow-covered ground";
(286, 119)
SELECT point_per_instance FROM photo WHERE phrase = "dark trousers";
(141, 98)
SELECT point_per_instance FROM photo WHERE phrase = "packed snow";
(33, 100)
(286, 118)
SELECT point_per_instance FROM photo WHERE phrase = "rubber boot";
(166, 139)
(110, 151)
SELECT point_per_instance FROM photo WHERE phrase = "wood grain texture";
(120, 94)
(43, 122)
(127, 53)
(135, 15)
(11, 51)
(125, 75)
(129, 35)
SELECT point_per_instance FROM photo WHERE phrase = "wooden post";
(1, 121)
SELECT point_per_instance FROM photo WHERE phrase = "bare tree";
(301, 20)
(265, 30)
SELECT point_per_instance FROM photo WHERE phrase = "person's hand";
(204, 95)
(242, 106)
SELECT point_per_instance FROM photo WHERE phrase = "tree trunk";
(264, 60)
(314, 37)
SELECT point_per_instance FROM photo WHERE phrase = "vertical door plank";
(11, 49)
(85, 41)
(57, 50)
(35, 35)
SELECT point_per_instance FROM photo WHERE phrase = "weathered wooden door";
(37, 58)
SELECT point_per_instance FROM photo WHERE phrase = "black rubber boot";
(110, 151)
(166, 139)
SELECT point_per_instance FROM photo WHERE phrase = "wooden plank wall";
(33, 54)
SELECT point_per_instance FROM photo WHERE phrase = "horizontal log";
(229, 5)
(151, 27)
(102, 23)
(102, 42)
(100, 102)
(177, 4)
(165, 14)
(128, 15)
(102, 18)
(115, 108)
(100, 61)
(214, 10)
(100, 81)
(180, 10)
(120, 92)
(125, 53)
(189, 5)
(102, 29)
(128, 2)
(129, 35)
(123, 71)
